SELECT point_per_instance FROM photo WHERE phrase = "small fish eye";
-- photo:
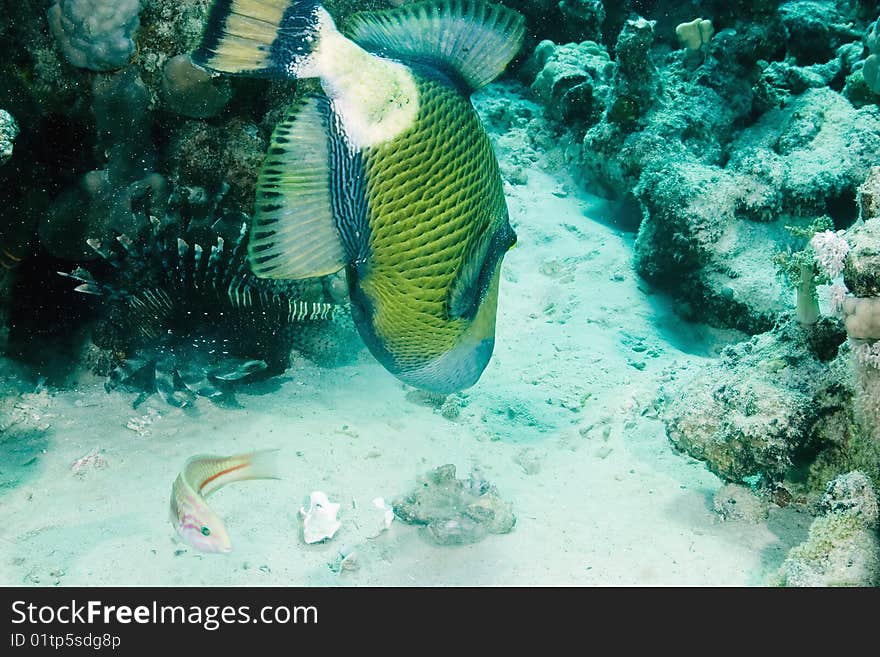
(206, 531)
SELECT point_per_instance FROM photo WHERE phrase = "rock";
(814, 30)
(709, 233)
(572, 80)
(693, 240)
(190, 90)
(842, 548)
(455, 511)
(868, 195)
(449, 406)
(739, 503)
(529, 461)
(583, 18)
(764, 405)
(852, 495)
(861, 272)
(376, 518)
(635, 76)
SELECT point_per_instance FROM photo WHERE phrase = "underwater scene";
(439, 292)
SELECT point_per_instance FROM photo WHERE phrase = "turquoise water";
(682, 388)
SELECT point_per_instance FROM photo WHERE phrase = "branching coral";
(802, 270)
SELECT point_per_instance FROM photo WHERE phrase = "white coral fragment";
(319, 521)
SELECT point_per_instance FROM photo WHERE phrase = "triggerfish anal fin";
(309, 218)
(472, 40)
(263, 38)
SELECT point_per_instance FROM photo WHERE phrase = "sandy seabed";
(582, 349)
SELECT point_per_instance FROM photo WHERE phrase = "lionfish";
(188, 320)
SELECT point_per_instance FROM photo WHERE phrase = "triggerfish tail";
(191, 516)
(263, 38)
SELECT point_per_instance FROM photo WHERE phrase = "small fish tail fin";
(263, 38)
(206, 474)
(472, 40)
(261, 465)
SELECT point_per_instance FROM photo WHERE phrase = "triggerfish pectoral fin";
(295, 233)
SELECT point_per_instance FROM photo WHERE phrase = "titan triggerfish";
(388, 173)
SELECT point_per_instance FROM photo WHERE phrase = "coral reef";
(455, 511)
(572, 80)
(861, 271)
(95, 34)
(190, 90)
(843, 548)
(218, 158)
(814, 30)
(861, 310)
(521, 135)
(769, 408)
(101, 205)
(8, 133)
(721, 143)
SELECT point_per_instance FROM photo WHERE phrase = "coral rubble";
(455, 511)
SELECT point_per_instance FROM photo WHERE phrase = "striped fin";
(264, 38)
(472, 39)
(301, 311)
(152, 308)
(206, 474)
(294, 233)
(88, 285)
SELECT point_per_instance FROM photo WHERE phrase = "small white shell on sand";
(380, 516)
(319, 521)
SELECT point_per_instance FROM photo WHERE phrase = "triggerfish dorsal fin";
(472, 39)
(296, 231)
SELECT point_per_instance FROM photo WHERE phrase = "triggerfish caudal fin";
(389, 173)
(194, 520)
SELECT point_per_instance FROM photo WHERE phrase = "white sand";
(613, 506)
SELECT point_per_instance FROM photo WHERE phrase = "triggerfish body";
(389, 173)
(191, 516)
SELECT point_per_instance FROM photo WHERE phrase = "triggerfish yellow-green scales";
(388, 174)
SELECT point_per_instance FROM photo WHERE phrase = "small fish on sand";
(191, 516)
